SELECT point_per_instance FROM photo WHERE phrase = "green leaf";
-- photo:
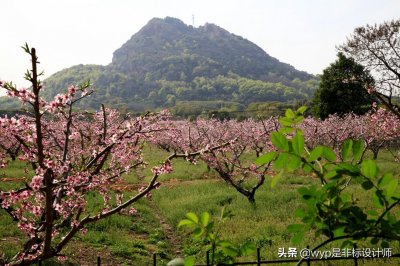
(276, 178)
(369, 168)
(302, 109)
(295, 228)
(349, 168)
(189, 261)
(346, 149)
(230, 251)
(286, 130)
(300, 213)
(247, 249)
(280, 141)
(26, 48)
(290, 114)
(281, 161)
(266, 158)
(338, 232)
(391, 187)
(193, 217)
(211, 237)
(186, 222)
(293, 163)
(304, 191)
(377, 200)
(328, 154)
(204, 218)
(298, 120)
(308, 194)
(347, 244)
(385, 180)
(298, 143)
(224, 243)
(297, 238)
(209, 226)
(331, 174)
(307, 168)
(372, 213)
(285, 121)
(198, 232)
(345, 197)
(358, 149)
(367, 185)
(315, 153)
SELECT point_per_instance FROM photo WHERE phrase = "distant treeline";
(208, 109)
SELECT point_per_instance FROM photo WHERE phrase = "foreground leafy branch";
(208, 232)
(330, 209)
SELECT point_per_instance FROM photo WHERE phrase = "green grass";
(266, 224)
(10, 236)
(386, 162)
(132, 239)
(15, 169)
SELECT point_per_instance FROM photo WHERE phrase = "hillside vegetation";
(168, 64)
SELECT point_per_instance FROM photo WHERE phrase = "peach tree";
(72, 154)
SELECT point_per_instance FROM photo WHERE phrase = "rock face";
(168, 62)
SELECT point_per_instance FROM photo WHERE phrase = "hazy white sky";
(303, 33)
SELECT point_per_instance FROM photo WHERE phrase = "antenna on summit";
(193, 21)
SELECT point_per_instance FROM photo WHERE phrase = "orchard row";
(73, 153)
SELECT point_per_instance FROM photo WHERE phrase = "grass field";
(131, 240)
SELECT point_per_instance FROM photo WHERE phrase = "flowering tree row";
(249, 139)
(71, 155)
(378, 128)
(329, 208)
(234, 162)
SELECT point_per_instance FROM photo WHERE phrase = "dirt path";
(173, 239)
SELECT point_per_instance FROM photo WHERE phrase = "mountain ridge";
(168, 62)
(158, 31)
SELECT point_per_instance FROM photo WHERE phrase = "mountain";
(171, 64)
(205, 51)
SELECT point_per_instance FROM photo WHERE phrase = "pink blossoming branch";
(72, 154)
(234, 163)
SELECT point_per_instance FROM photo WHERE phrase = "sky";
(303, 33)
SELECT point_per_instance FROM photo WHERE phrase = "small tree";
(233, 163)
(342, 89)
(71, 154)
(377, 48)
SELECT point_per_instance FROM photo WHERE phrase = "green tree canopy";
(342, 89)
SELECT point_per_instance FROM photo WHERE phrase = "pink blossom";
(165, 168)
(36, 182)
(74, 135)
(132, 211)
(72, 90)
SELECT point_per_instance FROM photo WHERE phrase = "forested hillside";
(168, 64)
